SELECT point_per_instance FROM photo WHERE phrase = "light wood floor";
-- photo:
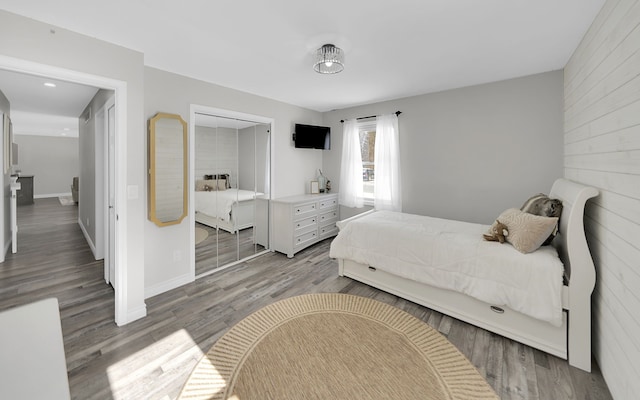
(151, 358)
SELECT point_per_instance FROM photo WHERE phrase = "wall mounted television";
(312, 137)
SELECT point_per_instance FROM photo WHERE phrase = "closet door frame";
(219, 112)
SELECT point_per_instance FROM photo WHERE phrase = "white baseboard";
(49, 195)
(137, 313)
(92, 246)
(7, 247)
(167, 285)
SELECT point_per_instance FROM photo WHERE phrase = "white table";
(32, 360)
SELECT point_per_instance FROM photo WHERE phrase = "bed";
(542, 299)
(228, 209)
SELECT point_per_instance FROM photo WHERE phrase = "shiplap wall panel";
(624, 205)
(621, 161)
(621, 140)
(216, 152)
(628, 340)
(613, 355)
(602, 149)
(619, 65)
(604, 41)
(608, 95)
(580, 55)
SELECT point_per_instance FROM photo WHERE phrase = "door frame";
(201, 109)
(103, 172)
(120, 89)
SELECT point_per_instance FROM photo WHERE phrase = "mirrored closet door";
(232, 190)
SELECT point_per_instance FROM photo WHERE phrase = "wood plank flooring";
(152, 358)
(221, 248)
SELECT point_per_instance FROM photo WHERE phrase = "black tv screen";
(312, 137)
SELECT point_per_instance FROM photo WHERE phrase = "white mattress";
(453, 255)
(219, 203)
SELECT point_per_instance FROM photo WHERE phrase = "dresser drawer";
(304, 224)
(300, 221)
(302, 209)
(328, 216)
(328, 230)
(328, 203)
(303, 239)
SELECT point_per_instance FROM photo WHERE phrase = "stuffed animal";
(497, 233)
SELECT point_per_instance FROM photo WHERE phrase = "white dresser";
(300, 221)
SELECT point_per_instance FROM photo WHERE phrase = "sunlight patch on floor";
(175, 355)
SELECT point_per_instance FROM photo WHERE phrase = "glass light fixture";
(329, 60)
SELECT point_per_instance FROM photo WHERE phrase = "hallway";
(53, 260)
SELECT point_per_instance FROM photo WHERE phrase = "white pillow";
(527, 232)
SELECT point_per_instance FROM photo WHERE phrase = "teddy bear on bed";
(497, 233)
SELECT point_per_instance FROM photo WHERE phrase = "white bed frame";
(571, 341)
(242, 215)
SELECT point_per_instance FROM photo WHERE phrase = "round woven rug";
(201, 235)
(330, 346)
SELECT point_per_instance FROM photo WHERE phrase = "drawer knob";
(497, 309)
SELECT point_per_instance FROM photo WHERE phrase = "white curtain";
(351, 190)
(387, 190)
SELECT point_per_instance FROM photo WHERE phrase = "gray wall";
(5, 211)
(167, 250)
(90, 207)
(602, 149)
(251, 169)
(52, 160)
(470, 153)
(71, 51)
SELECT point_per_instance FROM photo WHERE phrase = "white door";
(110, 254)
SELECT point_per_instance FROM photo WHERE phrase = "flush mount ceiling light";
(329, 60)
(50, 84)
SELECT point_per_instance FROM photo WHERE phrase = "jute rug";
(201, 235)
(334, 346)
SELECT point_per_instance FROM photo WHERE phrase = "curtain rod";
(373, 116)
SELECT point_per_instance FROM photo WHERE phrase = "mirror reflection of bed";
(231, 168)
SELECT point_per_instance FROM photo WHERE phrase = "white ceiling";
(393, 49)
(41, 110)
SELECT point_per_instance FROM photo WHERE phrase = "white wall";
(602, 149)
(167, 249)
(470, 153)
(63, 49)
(52, 160)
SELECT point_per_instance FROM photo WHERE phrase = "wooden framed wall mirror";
(167, 169)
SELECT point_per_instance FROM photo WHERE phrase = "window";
(370, 164)
(368, 150)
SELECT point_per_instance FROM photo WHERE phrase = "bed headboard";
(571, 241)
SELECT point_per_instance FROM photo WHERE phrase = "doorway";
(117, 235)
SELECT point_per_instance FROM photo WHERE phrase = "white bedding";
(219, 203)
(453, 255)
